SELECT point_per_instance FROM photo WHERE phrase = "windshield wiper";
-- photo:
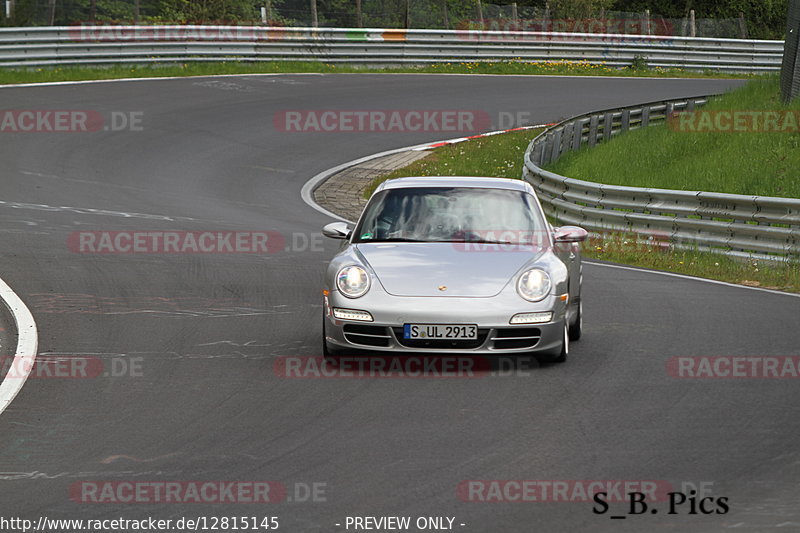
(485, 241)
(394, 239)
(464, 241)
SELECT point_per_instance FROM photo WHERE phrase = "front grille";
(441, 344)
(516, 338)
(366, 335)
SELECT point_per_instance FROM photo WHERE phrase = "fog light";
(531, 318)
(351, 314)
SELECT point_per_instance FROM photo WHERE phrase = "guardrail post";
(566, 139)
(569, 135)
(645, 116)
(536, 154)
(577, 136)
(556, 145)
(626, 121)
(593, 123)
(547, 151)
(608, 126)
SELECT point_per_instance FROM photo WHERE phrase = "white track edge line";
(155, 78)
(692, 278)
(27, 344)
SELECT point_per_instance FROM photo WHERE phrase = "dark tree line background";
(763, 18)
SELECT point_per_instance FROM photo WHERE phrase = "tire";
(560, 354)
(576, 329)
(329, 353)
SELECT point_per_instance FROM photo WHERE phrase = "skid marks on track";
(93, 211)
(83, 474)
(114, 458)
(227, 85)
(160, 307)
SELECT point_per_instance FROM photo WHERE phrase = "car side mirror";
(570, 234)
(337, 230)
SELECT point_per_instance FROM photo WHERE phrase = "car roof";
(456, 181)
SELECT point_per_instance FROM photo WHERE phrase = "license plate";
(440, 331)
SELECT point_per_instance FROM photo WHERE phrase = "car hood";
(420, 269)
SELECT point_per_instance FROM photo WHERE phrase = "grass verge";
(501, 156)
(497, 156)
(615, 248)
(577, 68)
(751, 162)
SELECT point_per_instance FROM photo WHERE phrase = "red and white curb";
(439, 144)
(307, 192)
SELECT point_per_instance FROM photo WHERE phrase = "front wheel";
(559, 355)
(576, 329)
(329, 353)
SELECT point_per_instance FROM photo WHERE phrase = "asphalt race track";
(188, 343)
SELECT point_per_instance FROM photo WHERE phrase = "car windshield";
(452, 214)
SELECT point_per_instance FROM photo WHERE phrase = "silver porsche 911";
(453, 264)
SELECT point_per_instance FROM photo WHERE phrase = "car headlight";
(353, 281)
(534, 284)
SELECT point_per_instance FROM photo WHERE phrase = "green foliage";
(639, 63)
(208, 10)
(752, 162)
(764, 18)
(579, 8)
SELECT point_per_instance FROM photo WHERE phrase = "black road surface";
(191, 346)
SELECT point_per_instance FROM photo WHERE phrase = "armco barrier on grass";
(96, 45)
(737, 225)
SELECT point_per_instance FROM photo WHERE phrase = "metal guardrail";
(729, 223)
(51, 46)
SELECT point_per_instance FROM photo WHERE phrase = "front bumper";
(491, 315)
